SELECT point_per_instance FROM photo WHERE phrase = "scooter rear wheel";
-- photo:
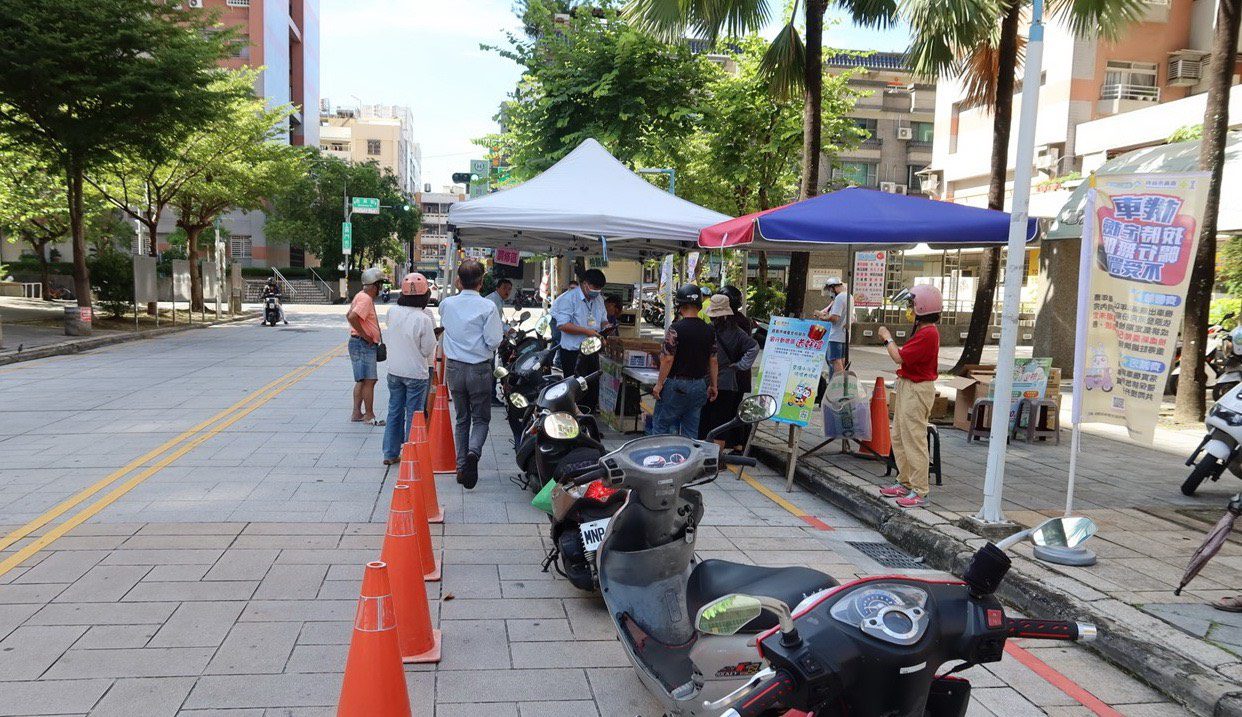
(1204, 469)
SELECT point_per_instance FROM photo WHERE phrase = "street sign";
(480, 168)
(365, 205)
(347, 238)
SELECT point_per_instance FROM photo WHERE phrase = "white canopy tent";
(586, 203)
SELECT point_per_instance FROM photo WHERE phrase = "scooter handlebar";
(590, 476)
(1050, 629)
(773, 693)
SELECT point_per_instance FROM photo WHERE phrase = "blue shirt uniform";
(573, 307)
(472, 327)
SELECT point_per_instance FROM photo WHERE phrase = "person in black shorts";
(688, 368)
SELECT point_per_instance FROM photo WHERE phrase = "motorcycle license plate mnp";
(593, 533)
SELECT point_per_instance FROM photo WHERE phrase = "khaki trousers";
(911, 409)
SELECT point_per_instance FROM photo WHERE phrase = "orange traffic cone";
(416, 640)
(425, 475)
(881, 443)
(374, 678)
(443, 449)
(410, 479)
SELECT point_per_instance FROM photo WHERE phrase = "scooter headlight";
(561, 426)
(1232, 418)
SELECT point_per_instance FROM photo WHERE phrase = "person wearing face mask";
(918, 364)
(411, 354)
(580, 313)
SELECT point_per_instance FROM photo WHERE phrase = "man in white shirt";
(580, 313)
(472, 331)
(838, 315)
(504, 288)
(411, 354)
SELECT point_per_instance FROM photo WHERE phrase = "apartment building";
(383, 134)
(432, 243)
(896, 113)
(1097, 99)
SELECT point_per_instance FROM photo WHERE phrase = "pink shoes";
(894, 491)
(906, 498)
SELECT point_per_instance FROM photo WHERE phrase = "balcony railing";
(1140, 93)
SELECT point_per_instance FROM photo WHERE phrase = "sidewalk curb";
(1134, 641)
(64, 348)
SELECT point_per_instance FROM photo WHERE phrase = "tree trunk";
(151, 227)
(77, 229)
(1192, 385)
(985, 292)
(812, 125)
(196, 280)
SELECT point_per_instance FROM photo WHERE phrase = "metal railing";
(1122, 91)
(323, 285)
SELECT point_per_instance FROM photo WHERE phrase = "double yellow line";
(171, 450)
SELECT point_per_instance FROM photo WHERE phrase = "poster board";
(793, 358)
(1030, 380)
(146, 286)
(181, 279)
(869, 270)
(1140, 236)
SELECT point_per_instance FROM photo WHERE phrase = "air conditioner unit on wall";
(196, 4)
(892, 188)
(905, 133)
(1185, 70)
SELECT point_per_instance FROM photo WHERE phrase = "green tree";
(597, 76)
(1192, 388)
(240, 163)
(793, 62)
(979, 41)
(308, 212)
(112, 277)
(82, 83)
(144, 182)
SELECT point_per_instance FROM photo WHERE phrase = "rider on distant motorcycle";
(273, 289)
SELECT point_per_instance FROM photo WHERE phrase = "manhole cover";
(888, 556)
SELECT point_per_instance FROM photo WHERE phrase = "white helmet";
(372, 275)
(1236, 338)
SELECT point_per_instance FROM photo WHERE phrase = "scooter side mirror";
(523, 316)
(543, 324)
(754, 409)
(590, 345)
(1069, 532)
(727, 615)
(500, 372)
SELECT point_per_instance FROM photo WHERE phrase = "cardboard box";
(976, 383)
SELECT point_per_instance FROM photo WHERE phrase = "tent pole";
(993, 487)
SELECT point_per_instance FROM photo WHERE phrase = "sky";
(425, 54)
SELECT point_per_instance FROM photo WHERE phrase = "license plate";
(593, 533)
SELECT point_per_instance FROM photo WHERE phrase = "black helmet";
(735, 296)
(689, 294)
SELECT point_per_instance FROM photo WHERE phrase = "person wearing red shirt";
(918, 365)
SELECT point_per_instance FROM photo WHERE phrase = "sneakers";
(896, 490)
(913, 500)
(468, 476)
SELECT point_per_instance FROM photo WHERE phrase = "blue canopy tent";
(863, 218)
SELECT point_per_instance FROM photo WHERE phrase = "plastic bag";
(543, 499)
(847, 408)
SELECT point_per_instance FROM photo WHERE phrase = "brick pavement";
(226, 582)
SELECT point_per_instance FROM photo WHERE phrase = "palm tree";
(1192, 386)
(978, 41)
(793, 63)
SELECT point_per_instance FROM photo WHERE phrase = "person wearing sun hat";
(735, 354)
(411, 354)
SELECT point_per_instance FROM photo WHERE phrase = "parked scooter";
(557, 426)
(518, 341)
(1216, 335)
(875, 646)
(1219, 449)
(871, 647)
(520, 383)
(1227, 363)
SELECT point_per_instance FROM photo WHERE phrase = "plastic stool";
(1043, 420)
(981, 415)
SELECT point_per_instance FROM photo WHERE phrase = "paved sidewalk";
(1148, 529)
(225, 582)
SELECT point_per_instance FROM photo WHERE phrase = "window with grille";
(1130, 81)
(373, 146)
(239, 247)
(869, 126)
(237, 3)
(923, 131)
(862, 174)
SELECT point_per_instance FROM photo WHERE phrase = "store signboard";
(869, 270)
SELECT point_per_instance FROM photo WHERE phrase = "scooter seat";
(712, 579)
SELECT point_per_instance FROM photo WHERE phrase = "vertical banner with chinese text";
(1140, 235)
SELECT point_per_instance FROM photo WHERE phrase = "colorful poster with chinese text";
(868, 288)
(793, 358)
(1140, 235)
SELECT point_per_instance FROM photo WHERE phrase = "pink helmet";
(414, 284)
(923, 298)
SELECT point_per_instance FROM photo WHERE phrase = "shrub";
(112, 277)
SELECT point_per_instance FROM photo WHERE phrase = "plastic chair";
(1043, 420)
